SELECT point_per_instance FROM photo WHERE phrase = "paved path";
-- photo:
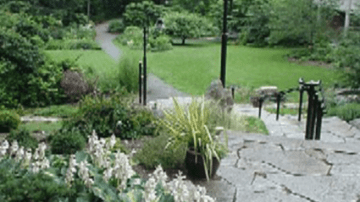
(285, 167)
(157, 89)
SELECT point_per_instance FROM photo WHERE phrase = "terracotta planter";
(195, 167)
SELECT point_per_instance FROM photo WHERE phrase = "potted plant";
(189, 125)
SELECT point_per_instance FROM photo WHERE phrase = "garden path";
(283, 166)
(156, 88)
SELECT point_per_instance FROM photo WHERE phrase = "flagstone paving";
(285, 167)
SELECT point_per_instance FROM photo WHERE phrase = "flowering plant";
(94, 174)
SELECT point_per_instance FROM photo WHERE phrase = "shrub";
(347, 59)
(9, 120)
(67, 142)
(346, 112)
(116, 26)
(132, 37)
(107, 116)
(19, 185)
(153, 154)
(128, 75)
(23, 137)
(160, 43)
(27, 77)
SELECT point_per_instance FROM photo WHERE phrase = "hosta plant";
(96, 174)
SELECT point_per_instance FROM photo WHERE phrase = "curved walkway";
(157, 89)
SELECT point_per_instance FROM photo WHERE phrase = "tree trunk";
(88, 9)
(183, 41)
(347, 18)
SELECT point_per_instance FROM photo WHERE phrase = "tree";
(139, 14)
(200, 6)
(295, 22)
(186, 25)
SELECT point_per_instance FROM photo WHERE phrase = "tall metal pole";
(224, 44)
(140, 83)
(144, 63)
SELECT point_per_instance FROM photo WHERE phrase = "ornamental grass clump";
(189, 125)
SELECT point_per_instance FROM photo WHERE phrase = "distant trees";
(299, 21)
(186, 25)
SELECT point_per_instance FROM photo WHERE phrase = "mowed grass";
(95, 63)
(42, 126)
(191, 68)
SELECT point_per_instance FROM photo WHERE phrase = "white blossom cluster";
(100, 151)
(35, 162)
(183, 191)
(118, 168)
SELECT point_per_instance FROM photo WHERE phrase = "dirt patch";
(311, 63)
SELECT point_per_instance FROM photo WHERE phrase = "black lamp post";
(224, 44)
(145, 66)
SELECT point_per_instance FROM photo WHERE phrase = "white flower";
(119, 123)
(71, 170)
(93, 139)
(45, 163)
(69, 177)
(36, 154)
(84, 173)
(42, 148)
(179, 190)
(122, 169)
(2, 151)
(35, 166)
(27, 157)
(137, 181)
(5, 145)
(108, 173)
(112, 141)
(149, 192)
(102, 142)
(160, 176)
(19, 154)
(14, 147)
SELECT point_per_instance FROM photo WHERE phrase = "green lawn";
(191, 68)
(42, 126)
